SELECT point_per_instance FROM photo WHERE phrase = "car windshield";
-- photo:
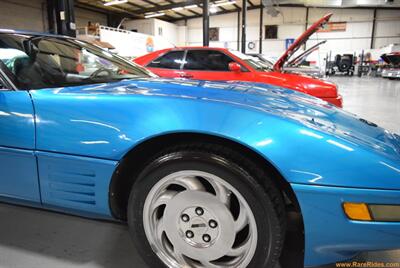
(35, 61)
(254, 62)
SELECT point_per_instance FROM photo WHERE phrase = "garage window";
(170, 60)
(207, 60)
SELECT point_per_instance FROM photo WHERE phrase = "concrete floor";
(38, 239)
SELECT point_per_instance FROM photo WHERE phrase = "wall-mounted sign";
(334, 27)
(214, 34)
(288, 42)
(149, 44)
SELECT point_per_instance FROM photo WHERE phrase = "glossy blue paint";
(16, 120)
(306, 139)
(18, 174)
(330, 235)
(328, 155)
(17, 141)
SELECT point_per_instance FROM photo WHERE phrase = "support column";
(238, 30)
(206, 23)
(61, 17)
(51, 16)
(261, 28)
(306, 26)
(373, 30)
(244, 13)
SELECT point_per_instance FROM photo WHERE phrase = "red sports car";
(206, 63)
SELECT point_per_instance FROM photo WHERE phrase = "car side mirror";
(235, 67)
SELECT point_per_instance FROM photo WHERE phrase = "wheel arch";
(136, 158)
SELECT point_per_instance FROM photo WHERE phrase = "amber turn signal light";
(357, 211)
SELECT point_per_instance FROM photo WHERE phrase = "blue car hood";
(275, 101)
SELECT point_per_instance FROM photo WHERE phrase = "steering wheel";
(99, 71)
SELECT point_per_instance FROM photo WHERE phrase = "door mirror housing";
(235, 67)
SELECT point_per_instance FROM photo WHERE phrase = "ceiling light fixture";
(191, 6)
(219, 4)
(154, 15)
(115, 2)
(213, 9)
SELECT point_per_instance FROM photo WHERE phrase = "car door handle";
(186, 75)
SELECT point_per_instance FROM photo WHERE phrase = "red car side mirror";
(235, 67)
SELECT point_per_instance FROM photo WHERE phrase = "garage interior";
(363, 29)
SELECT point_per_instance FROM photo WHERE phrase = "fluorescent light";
(191, 6)
(219, 4)
(154, 15)
(213, 9)
(177, 8)
(115, 2)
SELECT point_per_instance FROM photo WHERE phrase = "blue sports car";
(204, 173)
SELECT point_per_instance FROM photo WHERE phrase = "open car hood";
(300, 41)
(392, 58)
(299, 59)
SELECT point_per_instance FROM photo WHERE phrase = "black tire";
(265, 200)
(344, 67)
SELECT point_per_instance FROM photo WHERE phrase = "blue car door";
(18, 177)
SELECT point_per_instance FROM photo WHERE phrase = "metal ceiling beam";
(133, 5)
(127, 13)
(156, 5)
(170, 6)
(93, 8)
(280, 5)
(176, 12)
(140, 10)
(338, 7)
(218, 13)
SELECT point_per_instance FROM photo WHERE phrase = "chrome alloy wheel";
(196, 219)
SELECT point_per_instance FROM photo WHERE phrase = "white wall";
(155, 27)
(131, 44)
(387, 26)
(182, 35)
(292, 23)
(140, 26)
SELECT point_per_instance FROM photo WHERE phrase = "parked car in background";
(298, 65)
(342, 64)
(205, 63)
(392, 70)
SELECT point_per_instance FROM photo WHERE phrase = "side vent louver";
(77, 186)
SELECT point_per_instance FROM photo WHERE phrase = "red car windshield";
(253, 62)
